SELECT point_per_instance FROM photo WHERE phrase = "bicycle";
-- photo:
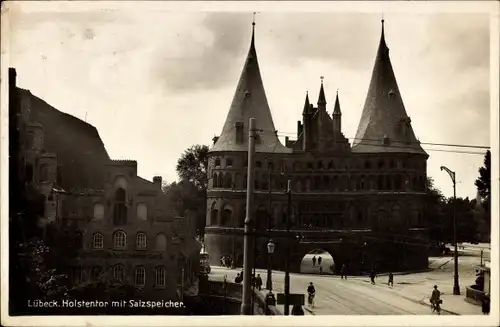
(310, 300)
(435, 307)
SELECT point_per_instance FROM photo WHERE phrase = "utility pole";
(287, 262)
(246, 307)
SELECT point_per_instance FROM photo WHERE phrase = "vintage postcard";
(175, 163)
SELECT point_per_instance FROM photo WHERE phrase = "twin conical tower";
(384, 125)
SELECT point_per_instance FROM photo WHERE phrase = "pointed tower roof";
(384, 117)
(307, 105)
(336, 109)
(321, 98)
(250, 101)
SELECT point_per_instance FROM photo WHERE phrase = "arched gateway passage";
(311, 262)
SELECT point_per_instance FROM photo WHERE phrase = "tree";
(190, 192)
(192, 166)
(483, 182)
(434, 212)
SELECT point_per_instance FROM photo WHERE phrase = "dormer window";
(391, 93)
(239, 132)
(229, 162)
(247, 94)
(217, 162)
(385, 140)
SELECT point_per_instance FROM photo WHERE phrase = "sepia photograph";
(211, 159)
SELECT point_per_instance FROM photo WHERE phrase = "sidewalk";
(418, 290)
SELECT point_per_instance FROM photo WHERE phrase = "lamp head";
(270, 247)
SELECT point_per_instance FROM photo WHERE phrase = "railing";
(474, 296)
(235, 291)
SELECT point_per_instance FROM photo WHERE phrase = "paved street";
(336, 296)
(356, 296)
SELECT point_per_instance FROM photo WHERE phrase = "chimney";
(157, 181)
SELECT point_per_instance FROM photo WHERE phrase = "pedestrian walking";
(343, 272)
(321, 270)
(391, 279)
(314, 261)
(372, 276)
(319, 260)
(485, 304)
(258, 282)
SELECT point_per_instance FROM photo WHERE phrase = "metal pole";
(481, 258)
(456, 286)
(246, 308)
(287, 262)
(269, 283)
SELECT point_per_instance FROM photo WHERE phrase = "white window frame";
(161, 277)
(141, 240)
(97, 241)
(117, 269)
(116, 238)
(140, 272)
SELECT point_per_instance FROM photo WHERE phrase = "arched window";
(120, 208)
(96, 272)
(258, 164)
(326, 183)
(97, 241)
(119, 240)
(320, 165)
(335, 183)
(392, 164)
(98, 211)
(296, 166)
(380, 182)
(330, 164)
(362, 183)
(214, 213)
(141, 241)
(142, 211)
(161, 242)
(140, 276)
(214, 181)
(310, 166)
(220, 181)
(160, 274)
(380, 164)
(308, 184)
(29, 172)
(317, 183)
(368, 164)
(227, 215)
(118, 272)
(228, 181)
(257, 184)
(217, 162)
(44, 173)
(30, 140)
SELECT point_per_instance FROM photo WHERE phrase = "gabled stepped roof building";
(354, 201)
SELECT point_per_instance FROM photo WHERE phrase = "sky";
(156, 79)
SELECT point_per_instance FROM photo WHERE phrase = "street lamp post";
(270, 251)
(287, 262)
(456, 286)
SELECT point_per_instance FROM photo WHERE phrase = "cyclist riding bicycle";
(436, 300)
(311, 291)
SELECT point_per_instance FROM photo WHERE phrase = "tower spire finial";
(253, 30)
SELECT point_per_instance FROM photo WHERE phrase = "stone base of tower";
(361, 251)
